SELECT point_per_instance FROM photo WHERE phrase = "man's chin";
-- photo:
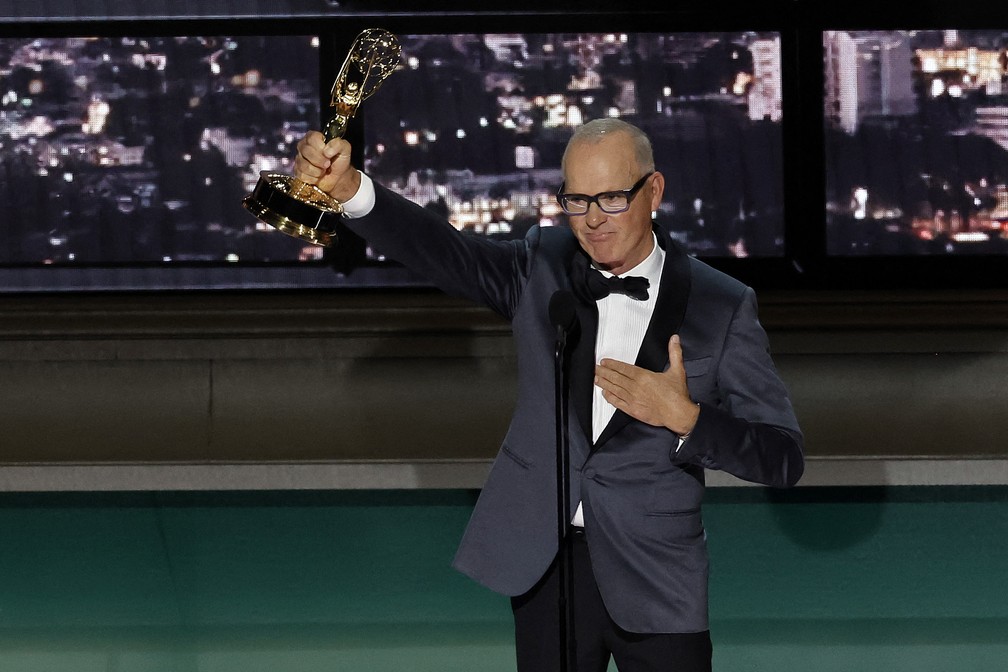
(606, 262)
(600, 258)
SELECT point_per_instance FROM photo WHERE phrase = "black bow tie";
(600, 286)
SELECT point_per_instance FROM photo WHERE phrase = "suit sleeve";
(490, 272)
(752, 433)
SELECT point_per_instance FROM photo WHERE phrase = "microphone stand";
(565, 562)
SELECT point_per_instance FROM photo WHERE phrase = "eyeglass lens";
(611, 203)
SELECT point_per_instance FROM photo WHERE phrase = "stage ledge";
(446, 474)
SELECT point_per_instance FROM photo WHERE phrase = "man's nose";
(594, 216)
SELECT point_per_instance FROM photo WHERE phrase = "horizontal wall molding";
(307, 314)
(446, 474)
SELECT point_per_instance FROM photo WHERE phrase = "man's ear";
(657, 187)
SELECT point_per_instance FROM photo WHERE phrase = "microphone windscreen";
(562, 311)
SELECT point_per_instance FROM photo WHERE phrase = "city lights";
(477, 126)
(923, 111)
(146, 150)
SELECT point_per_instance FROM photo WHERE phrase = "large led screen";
(124, 160)
(916, 142)
(474, 126)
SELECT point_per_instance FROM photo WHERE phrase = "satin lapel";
(665, 321)
(582, 372)
(669, 310)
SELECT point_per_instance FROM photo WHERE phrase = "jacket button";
(589, 473)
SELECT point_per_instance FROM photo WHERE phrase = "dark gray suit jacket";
(641, 497)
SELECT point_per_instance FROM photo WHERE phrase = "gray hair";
(598, 129)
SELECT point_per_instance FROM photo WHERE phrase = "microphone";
(562, 312)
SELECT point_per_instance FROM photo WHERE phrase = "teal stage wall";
(822, 579)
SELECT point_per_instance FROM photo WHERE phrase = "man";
(664, 384)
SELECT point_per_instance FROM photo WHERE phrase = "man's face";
(616, 242)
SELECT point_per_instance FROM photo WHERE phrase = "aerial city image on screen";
(139, 150)
(474, 126)
(916, 127)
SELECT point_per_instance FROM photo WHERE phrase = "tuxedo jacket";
(641, 496)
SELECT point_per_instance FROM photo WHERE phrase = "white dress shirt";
(622, 323)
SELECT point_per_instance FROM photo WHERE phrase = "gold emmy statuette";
(303, 210)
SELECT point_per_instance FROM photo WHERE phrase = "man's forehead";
(590, 162)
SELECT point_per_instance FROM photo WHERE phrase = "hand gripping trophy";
(303, 210)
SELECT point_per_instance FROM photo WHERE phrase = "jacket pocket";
(681, 528)
(696, 367)
(521, 461)
(673, 514)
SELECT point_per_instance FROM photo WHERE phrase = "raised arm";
(490, 272)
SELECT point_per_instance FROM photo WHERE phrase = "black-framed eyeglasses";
(610, 202)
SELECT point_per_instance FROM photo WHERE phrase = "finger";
(609, 377)
(618, 367)
(306, 171)
(313, 140)
(338, 153)
(625, 391)
(340, 177)
(603, 381)
(675, 353)
(335, 148)
(616, 400)
(312, 148)
(630, 405)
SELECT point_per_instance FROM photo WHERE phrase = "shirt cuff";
(683, 437)
(362, 202)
